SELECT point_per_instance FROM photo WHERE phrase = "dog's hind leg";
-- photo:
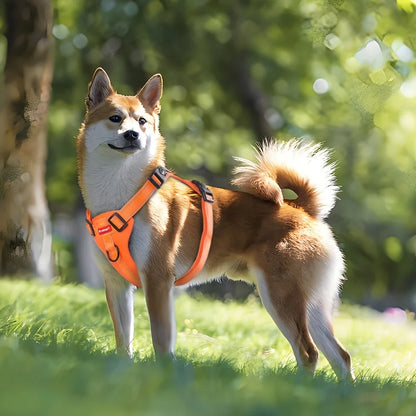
(288, 310)
(119, 294)
(160, 305)
(322, 333)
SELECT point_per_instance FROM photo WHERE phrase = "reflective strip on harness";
(112, 230)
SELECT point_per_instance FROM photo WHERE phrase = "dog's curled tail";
(303, 168)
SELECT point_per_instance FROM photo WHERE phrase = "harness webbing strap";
(111, 230)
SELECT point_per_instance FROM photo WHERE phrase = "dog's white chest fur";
(140, 243)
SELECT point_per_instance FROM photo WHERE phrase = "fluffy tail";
(303, 168)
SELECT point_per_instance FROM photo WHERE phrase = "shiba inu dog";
(285, 244)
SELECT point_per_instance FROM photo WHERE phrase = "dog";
(286, 245)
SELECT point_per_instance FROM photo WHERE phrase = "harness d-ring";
(117, 257)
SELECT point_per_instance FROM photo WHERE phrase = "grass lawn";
(57, 358)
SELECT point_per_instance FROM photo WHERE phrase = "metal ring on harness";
(117, 257)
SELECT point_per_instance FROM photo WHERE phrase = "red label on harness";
(104, 230)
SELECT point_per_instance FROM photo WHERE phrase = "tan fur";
(302, 168)
(287, 247)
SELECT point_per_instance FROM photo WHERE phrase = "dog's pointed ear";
(99, 88)
(151, 94)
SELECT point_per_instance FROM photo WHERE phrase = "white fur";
(119, 293)
(309, 161)
(319, 321)
(130, 123)
(111, 178)
(326, 274)
(140, 242)
(98, 134)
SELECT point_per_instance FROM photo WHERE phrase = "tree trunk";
(25, 237)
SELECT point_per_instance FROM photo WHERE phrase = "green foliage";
(214, 54)
(201, 47)
(56, 356)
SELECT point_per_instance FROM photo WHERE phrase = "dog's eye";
(142, 121)
(115, 119)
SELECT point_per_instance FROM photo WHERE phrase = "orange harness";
(112, 229)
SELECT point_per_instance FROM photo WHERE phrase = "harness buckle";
(206, 193)
(117, 227)
(158, 177)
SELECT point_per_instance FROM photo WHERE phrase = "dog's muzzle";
(131, 144)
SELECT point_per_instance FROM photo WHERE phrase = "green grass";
(57, 357)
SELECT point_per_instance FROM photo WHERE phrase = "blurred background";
(342, 73)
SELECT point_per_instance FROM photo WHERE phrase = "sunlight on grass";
(209, 330)
(57, 348)
(379, 348)
(245, 334)
(242, 333)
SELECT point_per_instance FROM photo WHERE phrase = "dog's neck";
(109, 180)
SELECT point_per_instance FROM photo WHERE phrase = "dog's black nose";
(131, 135)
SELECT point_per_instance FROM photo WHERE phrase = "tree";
(25, 237)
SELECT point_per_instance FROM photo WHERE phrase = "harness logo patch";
(104, 230)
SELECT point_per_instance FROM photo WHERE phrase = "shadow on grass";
(68, 379)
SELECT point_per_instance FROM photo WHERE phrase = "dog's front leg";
(119, 294)
(161, 308)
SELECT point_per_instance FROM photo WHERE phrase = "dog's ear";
(151, 94)
(98, 89)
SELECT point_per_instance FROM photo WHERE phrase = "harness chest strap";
(112, 230)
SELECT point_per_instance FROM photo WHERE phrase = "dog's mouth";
(130, 148)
